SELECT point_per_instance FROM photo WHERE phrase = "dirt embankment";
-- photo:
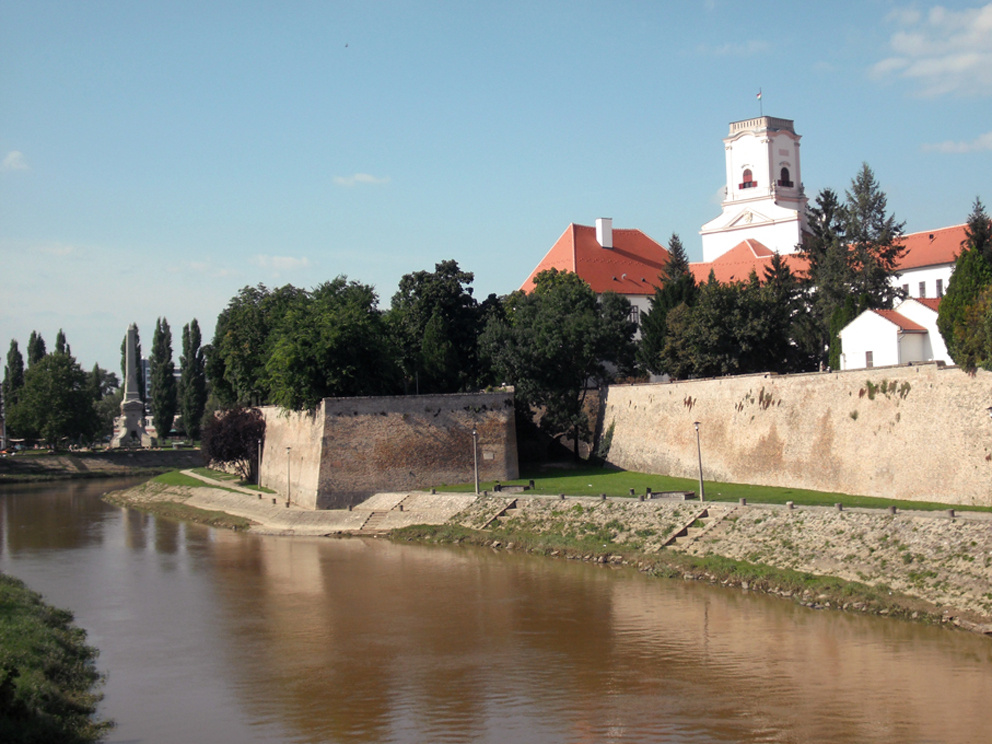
(111, 464)
(917, 564)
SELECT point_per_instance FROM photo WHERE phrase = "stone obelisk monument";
(129, 427)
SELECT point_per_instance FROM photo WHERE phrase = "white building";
(881, 338)
(764, 196)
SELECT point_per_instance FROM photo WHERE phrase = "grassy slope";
(48, 681)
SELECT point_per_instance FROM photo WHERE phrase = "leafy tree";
(139, 370)
(970, 280)
(677, 286)
(192, 381)
(13, 376)
(163, 388)
(55, 402)
(436, 323)
(232, 438)
(331, 341)
(244, 341)
(36, 348)
(554, 343)
(104, 387)
(61, 345)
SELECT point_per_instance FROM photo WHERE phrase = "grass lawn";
(591, 481)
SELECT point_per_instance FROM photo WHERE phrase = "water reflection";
(218, 636)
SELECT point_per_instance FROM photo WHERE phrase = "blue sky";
(155, 157)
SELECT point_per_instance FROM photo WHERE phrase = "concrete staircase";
(704, 521)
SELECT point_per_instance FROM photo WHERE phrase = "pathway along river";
(215, 636)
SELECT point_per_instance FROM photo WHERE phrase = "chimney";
(604, 232)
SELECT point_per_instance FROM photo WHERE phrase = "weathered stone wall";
(918, 432)
(354, 447)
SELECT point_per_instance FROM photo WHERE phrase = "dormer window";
(784, 179)
(748, 182)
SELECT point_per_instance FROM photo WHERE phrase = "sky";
(156, 157)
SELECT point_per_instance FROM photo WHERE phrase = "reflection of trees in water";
(54, 515)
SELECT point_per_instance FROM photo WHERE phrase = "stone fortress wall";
(350, 448)
(920, 432)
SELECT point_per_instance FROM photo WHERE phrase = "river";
(215, 636)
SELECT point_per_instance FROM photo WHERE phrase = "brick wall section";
(928, 437)
(354, 447)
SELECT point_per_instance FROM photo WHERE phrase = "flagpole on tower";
(761, 107)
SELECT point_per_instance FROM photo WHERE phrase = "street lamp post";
(288, 479)
(258, 475)
(475, 457)
(699, 452)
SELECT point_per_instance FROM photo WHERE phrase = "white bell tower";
(764, 198)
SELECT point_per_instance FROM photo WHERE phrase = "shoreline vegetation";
(919, 563)
(49, 684)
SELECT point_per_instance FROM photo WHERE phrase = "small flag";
(759, 95)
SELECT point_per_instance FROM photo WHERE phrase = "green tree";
(436, 322)
(970, 280)
(873, 238)
(556, 342)
(192, 381)
(61, 345)
(36, 348)
(331, 341)
(163, 378)
(55, 403)
(13, 377)
(677, 286)
(104, 387)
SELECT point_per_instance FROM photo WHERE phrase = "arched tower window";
(784, 179)
(748, 181)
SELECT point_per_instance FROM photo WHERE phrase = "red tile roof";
(932, 247)
(931, 302)
(630, 267)
(735, 265)
(904, 323)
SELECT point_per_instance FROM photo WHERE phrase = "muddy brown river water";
(215, 636)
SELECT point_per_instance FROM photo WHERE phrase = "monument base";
(129, 427)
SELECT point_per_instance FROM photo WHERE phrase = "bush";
(232, 438)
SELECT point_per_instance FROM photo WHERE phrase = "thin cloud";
(979, 144)
(743, 49)
(360, 179)
(57, 249)
(14, 161)
(281, 263)
(943, 51)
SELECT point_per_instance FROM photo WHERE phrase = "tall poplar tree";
(13, 377)
(164, 396)
(192, 380)
(36, 348)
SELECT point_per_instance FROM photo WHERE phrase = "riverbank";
(30, 468)
(924, 566)
(49, 685)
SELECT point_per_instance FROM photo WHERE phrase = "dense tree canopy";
(55, 403)
(436, 322)
(232, 438)
(555, 342)
(962, 318)
(162, 371)
(677, 286)
(192, 381)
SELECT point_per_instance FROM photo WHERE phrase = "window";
(940, 287)
(635, 315)
(783, 179)
(923, 289)
(748, 182)
(868, 359)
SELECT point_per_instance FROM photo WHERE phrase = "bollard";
(287, 504)
(950, 513)
(840, 507)
(433, 491)
(561, 496)
(349, 507)
(648, 490)
(401, 507)
(790, 505)
(530, 484)
(602, 496)
(273, 502)
(743, 502)
(631, 491)
(641, 497)
(259, 497)
(892, 510)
